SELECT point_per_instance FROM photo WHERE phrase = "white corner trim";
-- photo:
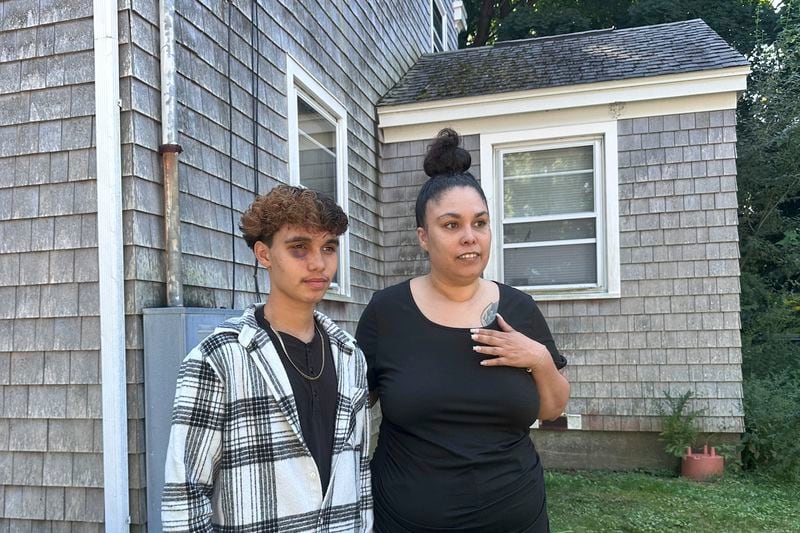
(489, 144)
(111, 274)
(459, 15)
(638, 89)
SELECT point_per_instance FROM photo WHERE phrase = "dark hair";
(295, 206)
(447, 165)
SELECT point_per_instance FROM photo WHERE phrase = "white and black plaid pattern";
(237, 460)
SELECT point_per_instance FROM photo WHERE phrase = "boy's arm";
(195, 447)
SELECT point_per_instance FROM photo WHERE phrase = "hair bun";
(445, 156)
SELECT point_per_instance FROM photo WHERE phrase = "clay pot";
(702, 466)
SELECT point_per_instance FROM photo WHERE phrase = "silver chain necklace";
(285, 351)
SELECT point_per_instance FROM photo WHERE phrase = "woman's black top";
(315, 399)
(454, 452)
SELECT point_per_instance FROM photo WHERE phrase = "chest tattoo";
(488, 314)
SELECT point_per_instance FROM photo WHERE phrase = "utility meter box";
(169, 334)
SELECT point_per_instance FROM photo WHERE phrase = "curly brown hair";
(295, 206)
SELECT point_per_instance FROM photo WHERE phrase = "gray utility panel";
(169, 334)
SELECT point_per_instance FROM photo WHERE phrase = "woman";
(463, 366)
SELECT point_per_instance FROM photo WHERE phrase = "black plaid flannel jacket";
(237, 460)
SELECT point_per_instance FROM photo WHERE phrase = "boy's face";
(301, 263)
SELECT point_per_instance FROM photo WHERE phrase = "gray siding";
(401, 177)
(142, 217)
(676, 326)
(51, 468)
(356, 50)
(50, 430)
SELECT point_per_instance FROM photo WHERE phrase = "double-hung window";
(318, 150)
(554, 212)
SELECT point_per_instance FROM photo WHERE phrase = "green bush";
(772, 424)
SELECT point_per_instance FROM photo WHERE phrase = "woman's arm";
(512, 348)
(367, 339)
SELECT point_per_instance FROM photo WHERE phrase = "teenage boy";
(270, 428)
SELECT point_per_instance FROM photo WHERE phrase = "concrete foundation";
(610, 450)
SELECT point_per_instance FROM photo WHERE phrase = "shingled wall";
(357, 50)
(51, 467)
(676, 326)
(50, 408)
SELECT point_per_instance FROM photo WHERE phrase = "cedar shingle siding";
(51, 465)
(676, 326)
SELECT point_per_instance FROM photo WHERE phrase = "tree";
(769, 199)
(740, 22)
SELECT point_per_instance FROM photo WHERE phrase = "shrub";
(679, 428)
(772, 424)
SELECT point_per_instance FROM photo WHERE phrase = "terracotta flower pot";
(702, 466)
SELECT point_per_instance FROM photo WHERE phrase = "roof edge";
(729, 79)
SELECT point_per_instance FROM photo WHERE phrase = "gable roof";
(571, 59)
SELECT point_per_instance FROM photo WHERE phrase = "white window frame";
(440, 5)
(299, 83)
(604, 136)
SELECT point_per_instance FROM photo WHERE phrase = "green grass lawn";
(587, 501)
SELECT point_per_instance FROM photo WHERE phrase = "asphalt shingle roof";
(576, 58)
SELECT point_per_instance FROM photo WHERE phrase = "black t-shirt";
(454, 450)
(315, 399)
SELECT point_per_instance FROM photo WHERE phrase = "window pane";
(554, 230)
(551, 265)
(317, 150)
(438, 28)
(548, 195)
(548, 182)
(314, 125)
(548, 161)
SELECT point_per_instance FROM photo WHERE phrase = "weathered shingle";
(572, 59)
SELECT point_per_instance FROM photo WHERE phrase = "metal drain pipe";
(169, 154)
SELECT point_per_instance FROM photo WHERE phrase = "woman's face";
(456, 235)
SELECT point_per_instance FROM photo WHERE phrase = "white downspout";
(169, 154)
(111, 277)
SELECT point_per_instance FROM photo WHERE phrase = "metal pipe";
(111, 275)
(172, 224)
(169, 155)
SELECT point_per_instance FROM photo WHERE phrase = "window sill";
(562, 296)
(337, 297)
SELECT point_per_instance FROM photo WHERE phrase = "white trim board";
(561, 117)
(688, 89)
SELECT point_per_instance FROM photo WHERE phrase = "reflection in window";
(317, 149)
(437, 26)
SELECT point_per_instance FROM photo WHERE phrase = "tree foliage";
(740, 22)
(769, 200)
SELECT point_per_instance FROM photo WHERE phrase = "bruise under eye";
(298, 251)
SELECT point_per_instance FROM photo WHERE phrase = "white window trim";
(300, 83)
(608, 240)
(443, 11)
